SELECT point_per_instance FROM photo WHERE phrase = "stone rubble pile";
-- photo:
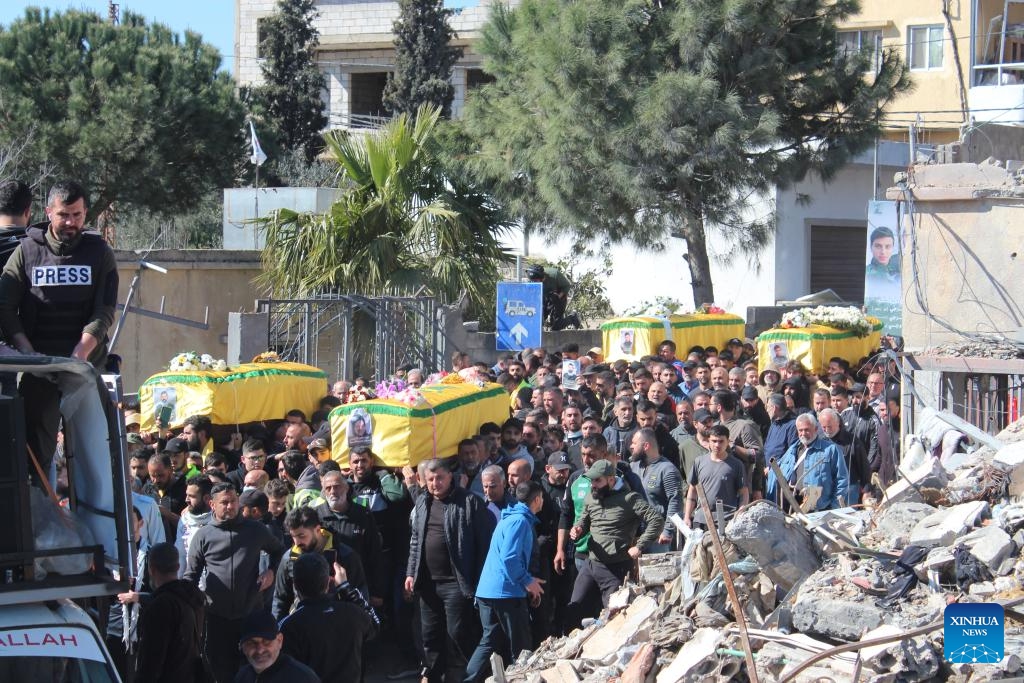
(861, 590)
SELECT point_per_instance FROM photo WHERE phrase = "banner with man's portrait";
(883, 283)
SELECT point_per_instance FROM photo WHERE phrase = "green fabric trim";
(374, 408)
(165, 378)
(678, 324)
(796, 334)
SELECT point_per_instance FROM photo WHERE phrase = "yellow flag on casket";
(400, 434)
(247, 393)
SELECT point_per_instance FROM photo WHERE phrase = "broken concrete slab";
(922, 484)
(897, 521)
(824, 615)
(561, 672)
(990, 545)
(621, 630)
(943, 526)
(691, 654)
(782, 548)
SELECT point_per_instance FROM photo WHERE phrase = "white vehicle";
(513, 307)
(43, 635)
(52, 641)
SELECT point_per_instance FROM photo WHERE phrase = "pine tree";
(424, 57)
(292, 81)
(627, 120)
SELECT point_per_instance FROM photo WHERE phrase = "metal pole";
(874, 183)
(737, 608)
(124, 311)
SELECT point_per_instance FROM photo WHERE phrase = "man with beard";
(861, 424)
(496, 494)
(196, 515)
(467, 472)
(451, 534)
(261, 643)
(228, 549)
(554, 483)
(853, 453)
(197, 432)
(511, 447)
(572, 424)
(308, 536)
(167, 490)
(647, 418)
(813, 461)
(768, 382)
(619, 433)
(612, 516)
(354, 526)
(782, 432)
(57, 297)
(685, 436)
(661, 483)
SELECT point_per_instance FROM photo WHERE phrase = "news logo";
(973, 633)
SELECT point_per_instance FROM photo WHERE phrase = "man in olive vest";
(58, 293)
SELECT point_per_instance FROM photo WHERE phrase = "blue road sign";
(520, 315)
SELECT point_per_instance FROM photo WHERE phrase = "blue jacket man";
(782, 431)
(505, 582)
(813, 461)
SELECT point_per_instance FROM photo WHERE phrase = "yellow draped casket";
(638, 336)
(814, 345)
(246, 393)
(400, 434)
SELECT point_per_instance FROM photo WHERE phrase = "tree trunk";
(692, 230)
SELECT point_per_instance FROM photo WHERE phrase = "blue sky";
(214, 20)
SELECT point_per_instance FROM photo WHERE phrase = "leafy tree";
(629, 121)
(402, 221)
(290, 95)
(134, 112)
(424, 57)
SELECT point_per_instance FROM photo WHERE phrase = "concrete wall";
(196, 278)
(966, 243)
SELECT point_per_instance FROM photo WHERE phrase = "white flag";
(258, 157)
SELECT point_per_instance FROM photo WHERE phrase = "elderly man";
(812, 466)
(495, 490)
(854, 454)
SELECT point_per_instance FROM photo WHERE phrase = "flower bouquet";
(411, 397)
(190, 361)
(710, 309)
(389, 388)
(357, 394)
(846, 318)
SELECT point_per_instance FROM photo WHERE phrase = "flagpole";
(255, 238)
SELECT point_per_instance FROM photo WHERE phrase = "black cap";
(636, 365)
(748, 393)
(734, 341)
(259, 625)
(858, 388)
(560, 460)
(689, 365)
(701, 415)
(254, 498)
(176, 446)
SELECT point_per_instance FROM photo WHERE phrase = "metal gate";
(348, 335)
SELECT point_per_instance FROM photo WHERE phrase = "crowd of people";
(523, 533)
(261, 557)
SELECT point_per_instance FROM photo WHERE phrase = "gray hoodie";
(229, 551)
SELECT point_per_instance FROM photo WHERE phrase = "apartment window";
(852, 42)
(477, 77)
(925, 48)
(261, 35)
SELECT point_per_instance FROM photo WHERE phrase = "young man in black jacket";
(171, 624)
(326, 611)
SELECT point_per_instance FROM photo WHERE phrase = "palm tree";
(402, 221)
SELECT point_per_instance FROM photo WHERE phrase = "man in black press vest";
(58, 294)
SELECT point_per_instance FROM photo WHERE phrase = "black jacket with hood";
(170, 634)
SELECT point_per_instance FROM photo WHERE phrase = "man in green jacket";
(612, 515)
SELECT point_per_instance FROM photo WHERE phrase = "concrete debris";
(943, 526)
(808, 583)
(782, 548)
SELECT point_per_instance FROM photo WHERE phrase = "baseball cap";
(254, 498)
(702, 415)
(132, 419)
(748, 393)
(601, 468)
(560, 460)
(176, 445)
(259, 625)
(735, 341)
(689, 365)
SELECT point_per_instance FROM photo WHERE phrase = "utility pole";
(113, 12)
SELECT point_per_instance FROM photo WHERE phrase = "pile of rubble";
(855, 594)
